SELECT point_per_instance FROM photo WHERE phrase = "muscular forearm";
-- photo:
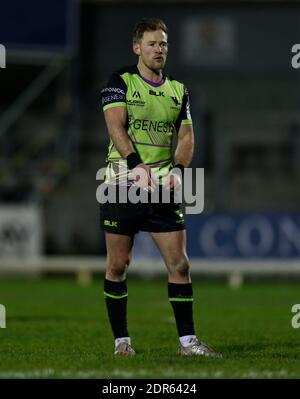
(116, 124)
(124, 145)
(121, 140)
(184, 151)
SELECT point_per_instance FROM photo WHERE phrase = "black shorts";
(129, 219)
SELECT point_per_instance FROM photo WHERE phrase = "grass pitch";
(58, 329)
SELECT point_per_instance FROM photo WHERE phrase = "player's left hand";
(173, 181)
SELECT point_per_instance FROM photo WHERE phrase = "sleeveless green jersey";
(154, 114)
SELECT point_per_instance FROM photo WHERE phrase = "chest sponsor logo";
(136, 99)
(151, 126)
(136, 94)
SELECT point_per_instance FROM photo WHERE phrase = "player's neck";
(149, 74)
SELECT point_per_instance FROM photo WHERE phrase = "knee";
(180, 266)
(117, 268)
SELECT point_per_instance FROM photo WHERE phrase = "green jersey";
(154, 113)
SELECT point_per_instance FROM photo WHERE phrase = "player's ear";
(136, 48)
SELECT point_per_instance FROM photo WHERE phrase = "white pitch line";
(117, 373)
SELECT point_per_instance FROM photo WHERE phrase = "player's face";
(152, 49)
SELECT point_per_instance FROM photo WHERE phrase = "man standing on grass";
(143, 108)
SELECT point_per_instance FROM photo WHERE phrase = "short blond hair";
(148, 25)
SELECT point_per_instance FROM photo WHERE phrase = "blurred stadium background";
(235, 59)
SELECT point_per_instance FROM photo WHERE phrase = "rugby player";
(143, 108)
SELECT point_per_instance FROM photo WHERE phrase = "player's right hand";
(143, 177)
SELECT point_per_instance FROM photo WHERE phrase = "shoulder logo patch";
(175, 100)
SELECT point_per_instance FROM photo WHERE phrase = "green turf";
(58, 329)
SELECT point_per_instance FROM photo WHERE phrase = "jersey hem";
(186, 122)
(119, 104)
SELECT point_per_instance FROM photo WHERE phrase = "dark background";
(245, 99)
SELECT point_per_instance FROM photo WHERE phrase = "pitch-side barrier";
(235, 270)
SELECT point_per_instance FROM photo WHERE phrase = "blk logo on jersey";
(136, 94)
(155, 93)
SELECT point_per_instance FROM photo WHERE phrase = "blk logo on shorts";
(110, 223)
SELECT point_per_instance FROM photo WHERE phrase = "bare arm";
(183, 153)
(116, 119)
(185, 146)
